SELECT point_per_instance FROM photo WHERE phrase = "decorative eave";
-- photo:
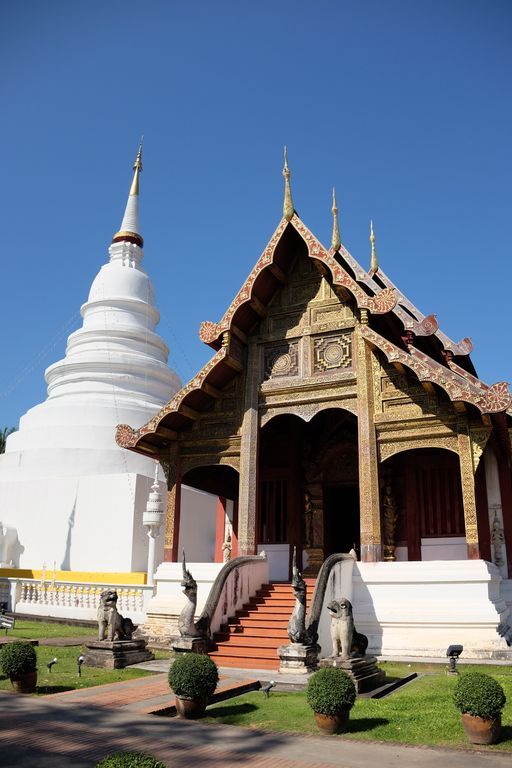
(419, 324)
(384, 300)
(494, 399)
(185, 406)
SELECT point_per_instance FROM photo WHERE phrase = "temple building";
(334, 415)
(75, 498)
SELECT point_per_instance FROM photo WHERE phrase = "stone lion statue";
(110, 622)
(346, 641)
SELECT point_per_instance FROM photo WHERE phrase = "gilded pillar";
(369, 501)
(467, 477)
(172, 518)
(248, 492)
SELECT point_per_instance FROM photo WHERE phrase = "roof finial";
(374, 265)
(130, 228)
(288, 202)
(336, 240)
(137, 167)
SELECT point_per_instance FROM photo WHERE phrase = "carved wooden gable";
(308, 329)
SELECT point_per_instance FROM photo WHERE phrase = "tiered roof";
(396, 327)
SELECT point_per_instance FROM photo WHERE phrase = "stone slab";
(362, 669)
(116, 654)
(296, 658)
(190, 645)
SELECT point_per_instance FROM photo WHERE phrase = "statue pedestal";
(362, 669)
(298, 659)
(116, 654)
(190, 645)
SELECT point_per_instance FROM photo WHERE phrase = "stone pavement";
(53, 732)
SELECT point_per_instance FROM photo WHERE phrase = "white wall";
(90, 523)
(420, 608)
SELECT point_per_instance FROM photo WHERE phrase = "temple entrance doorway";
(208, 518)
(308, 492)
(341, 519)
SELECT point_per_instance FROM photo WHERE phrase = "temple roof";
(396, 327)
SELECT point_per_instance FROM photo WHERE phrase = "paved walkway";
(78, 728)
(146, 695)
(55, 732)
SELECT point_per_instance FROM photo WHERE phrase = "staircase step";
(251, 638)
(223, 660)
(256, 631)
(259, 620)
(243, 641)
(241, 653)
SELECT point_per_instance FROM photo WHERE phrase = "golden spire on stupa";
(336, 240)
(374, 264)
(130, 227)
(288, 209)
(137, 167)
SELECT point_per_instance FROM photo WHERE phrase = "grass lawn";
(421, 712)
(64, 676)
(36, 630)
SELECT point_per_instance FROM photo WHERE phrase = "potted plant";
(193, 678)
(480, 699)
(130, 760)
(19, 661)
(331, 694)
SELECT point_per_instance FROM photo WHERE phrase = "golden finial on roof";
(374, 264)
(336, 240)
(288, 202)
(137, 167)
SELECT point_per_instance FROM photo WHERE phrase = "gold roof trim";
(288, 208)
(336, 240)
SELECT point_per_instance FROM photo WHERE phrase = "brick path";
(59, 731)
(144, 694)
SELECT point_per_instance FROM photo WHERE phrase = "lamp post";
(152, 518)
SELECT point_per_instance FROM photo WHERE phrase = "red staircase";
(251, 638)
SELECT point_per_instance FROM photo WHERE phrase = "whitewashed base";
(420, 608)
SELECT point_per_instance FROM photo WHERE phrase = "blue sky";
(405, 106)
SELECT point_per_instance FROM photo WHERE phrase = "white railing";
(72, 599)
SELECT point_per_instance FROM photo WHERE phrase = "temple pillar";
(467, 478)
(172, 518)
(369, 495)
(248, 493)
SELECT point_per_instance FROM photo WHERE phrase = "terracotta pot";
(481, 731)
(25, 683)
(332, 723)
(190, 709)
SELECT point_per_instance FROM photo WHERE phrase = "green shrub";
(193, 676)
(18, 658)
(480, 695)
(130, 760)
(330, 690)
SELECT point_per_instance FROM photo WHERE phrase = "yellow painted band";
(86, 577)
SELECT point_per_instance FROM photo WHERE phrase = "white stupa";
(75, 497)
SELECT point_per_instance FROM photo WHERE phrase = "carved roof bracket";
(495, 399)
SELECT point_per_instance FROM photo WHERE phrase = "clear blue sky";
(404, 105)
